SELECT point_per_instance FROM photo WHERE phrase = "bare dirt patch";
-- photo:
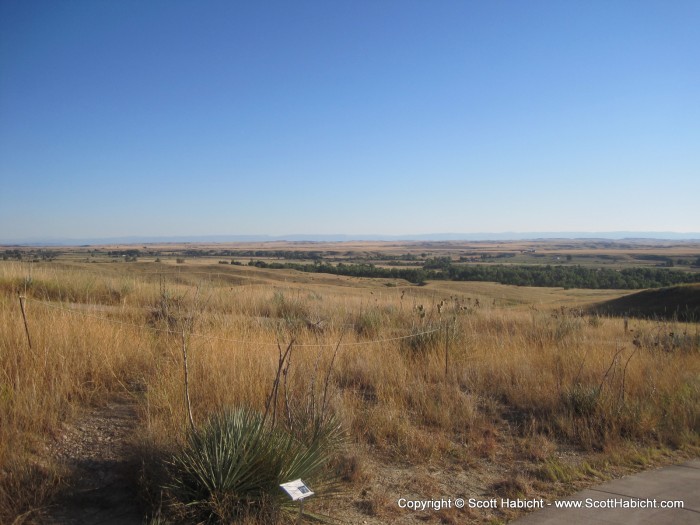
(99, 486)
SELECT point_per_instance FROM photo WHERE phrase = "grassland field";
(451, 389)
(614, 254)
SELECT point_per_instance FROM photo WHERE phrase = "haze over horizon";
(333, 238)
(179, 119)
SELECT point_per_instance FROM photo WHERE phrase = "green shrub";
(292, 310)
(425, 338)
(582, 400)
(232, 466)
(368, 323)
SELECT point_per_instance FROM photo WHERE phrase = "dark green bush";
(233, 465)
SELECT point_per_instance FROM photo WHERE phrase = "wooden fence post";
(447, 349)
(24, 316)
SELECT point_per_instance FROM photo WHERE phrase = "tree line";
(520, 275)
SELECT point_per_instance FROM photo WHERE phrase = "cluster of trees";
(662, 260)
(312, 255)
(12, 254)
(29, 255)
(572, 276)
(124, 253)
(522, 275)
(437, 263)
(279, 254)
(131, 255)
(414, 275)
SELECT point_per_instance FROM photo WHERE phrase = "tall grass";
(553, 373)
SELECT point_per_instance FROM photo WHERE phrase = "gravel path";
(100, 488)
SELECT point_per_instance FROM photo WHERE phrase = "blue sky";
(392, 117)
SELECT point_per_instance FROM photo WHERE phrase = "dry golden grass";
(528, 377)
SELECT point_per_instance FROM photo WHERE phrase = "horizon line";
(618, 235)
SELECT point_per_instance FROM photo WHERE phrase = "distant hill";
(502, 236)
(675, 302)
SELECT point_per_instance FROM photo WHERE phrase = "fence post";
(24, 316)
(188, 404)
(447, 349)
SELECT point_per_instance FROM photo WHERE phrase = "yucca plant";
(233, 465)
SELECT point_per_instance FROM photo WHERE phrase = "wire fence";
(73, 311)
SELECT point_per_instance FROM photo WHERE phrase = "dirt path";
(100, 487)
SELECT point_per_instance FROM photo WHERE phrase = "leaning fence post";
(188, 404)
(447, 349)
(24, 317)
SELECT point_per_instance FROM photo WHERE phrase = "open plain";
(441, 389)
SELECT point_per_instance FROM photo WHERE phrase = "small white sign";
(297, 489)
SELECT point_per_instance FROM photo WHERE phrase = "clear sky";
(360, 117)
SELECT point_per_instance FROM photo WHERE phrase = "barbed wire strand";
(73, 311)
(219, 275)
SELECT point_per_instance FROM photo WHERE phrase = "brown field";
(537, 399)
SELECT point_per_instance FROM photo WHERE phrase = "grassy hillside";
(674, 302)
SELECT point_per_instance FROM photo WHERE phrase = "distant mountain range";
(503, 236)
